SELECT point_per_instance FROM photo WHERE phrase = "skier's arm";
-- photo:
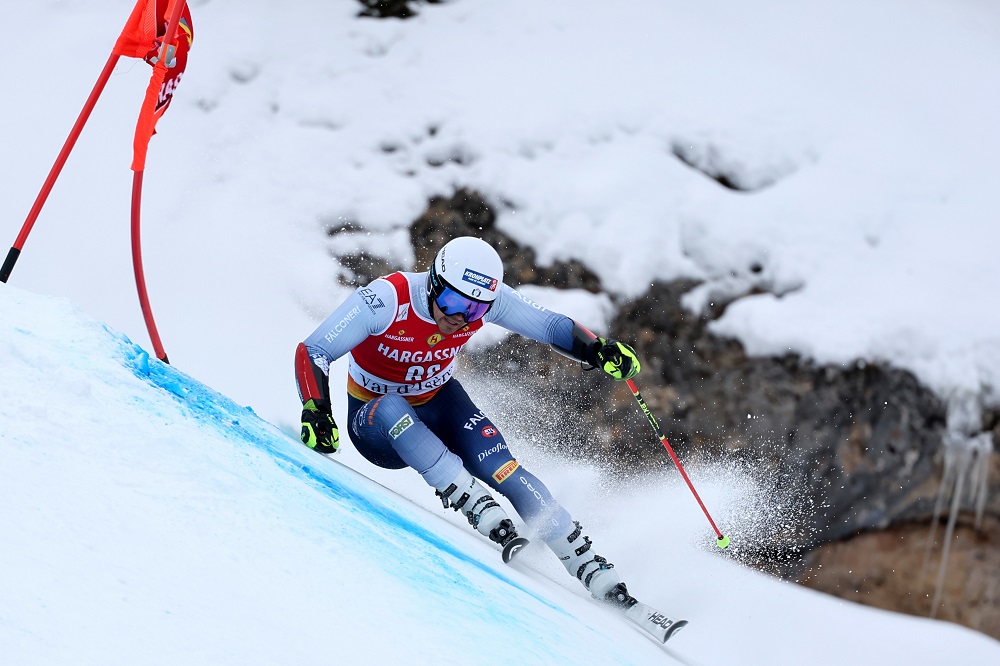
(367, 311)
(515, 312)
(519, 314)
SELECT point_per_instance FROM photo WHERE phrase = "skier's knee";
(391, 414)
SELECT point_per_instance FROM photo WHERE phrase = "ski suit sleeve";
(368, 311)
(519, 314)
(516, 312)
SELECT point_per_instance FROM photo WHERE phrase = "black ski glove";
(319, 430)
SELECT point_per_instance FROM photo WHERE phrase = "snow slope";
(148, 519)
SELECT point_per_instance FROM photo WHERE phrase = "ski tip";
(656, 624)
(513, 547)
(674, 628)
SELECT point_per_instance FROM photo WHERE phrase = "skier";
(406, 409)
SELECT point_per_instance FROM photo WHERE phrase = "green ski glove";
(615, 358)
(319, 430)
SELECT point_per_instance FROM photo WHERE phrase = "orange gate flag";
(145, 36)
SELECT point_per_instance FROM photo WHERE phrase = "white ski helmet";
(470, 267)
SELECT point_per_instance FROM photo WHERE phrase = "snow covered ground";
(864, 133)
(147, 519)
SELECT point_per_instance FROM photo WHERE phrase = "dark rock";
(391, 8)
(468, 213)
(364, 267)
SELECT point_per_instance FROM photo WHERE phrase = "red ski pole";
(15, 250)
(722, 541)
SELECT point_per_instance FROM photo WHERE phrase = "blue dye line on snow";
(235, 422)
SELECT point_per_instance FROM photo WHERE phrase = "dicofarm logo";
(400, 426)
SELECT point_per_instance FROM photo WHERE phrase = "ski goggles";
(452, 303)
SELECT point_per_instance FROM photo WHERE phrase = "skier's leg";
(389, 433)
(595, 572)
(554, 525)
(467, 431)
(485, 453)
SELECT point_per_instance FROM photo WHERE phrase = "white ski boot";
(595, 572)
(467, 495)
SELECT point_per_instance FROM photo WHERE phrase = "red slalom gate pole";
(15, 250)
(722, 541)
(140, 278)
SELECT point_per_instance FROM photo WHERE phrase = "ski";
(653, 622)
